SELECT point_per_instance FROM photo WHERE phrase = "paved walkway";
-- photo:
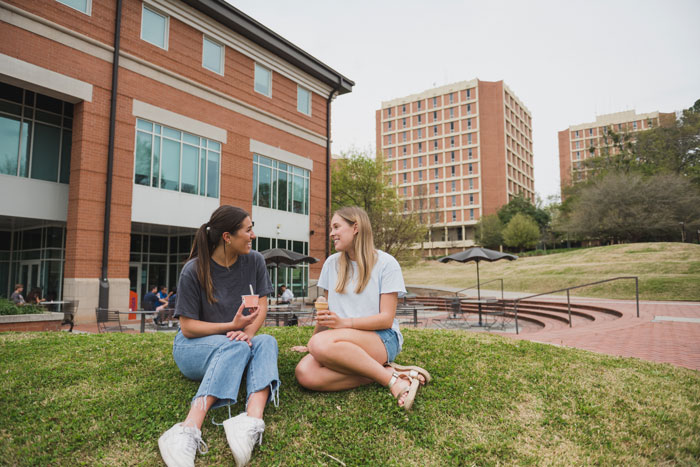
(667, 332)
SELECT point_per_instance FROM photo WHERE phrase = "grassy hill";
(666, 271)
(104, 400)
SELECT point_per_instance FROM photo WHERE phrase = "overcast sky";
(567, 61)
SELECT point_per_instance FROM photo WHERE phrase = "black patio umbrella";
(478, 254)
(280, 257)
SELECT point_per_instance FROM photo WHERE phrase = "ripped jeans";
(220, 363)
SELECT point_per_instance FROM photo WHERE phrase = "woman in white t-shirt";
(356, 340)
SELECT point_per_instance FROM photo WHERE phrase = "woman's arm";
(192, 328)
(383, 320)
(252, 328)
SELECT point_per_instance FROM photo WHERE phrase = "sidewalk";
(667, 332)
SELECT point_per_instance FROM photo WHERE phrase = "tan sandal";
(414, 371)
(409, 390)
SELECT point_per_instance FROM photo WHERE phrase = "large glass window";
(213, 56)
(175, 160)
(263, 80)
(296, 278)
(154, 27)
(281, 186)
(35, 135)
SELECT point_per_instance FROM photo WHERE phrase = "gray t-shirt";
(228, 283)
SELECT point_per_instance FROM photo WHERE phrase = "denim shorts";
(391, 343)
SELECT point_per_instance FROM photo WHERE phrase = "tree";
(489, 231)
(358, 180)
(521, 204)
(629, 207)
(521, 232)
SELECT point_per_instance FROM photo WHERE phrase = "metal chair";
(69, 310)
(104, 317)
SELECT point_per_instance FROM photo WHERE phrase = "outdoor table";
(285, 315)
(415, 308)
(52, 303)
(143, 314)
(482, 301)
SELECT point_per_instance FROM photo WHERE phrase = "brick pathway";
(674, 337)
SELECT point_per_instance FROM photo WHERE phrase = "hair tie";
(208, 228)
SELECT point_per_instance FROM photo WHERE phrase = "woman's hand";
(239, 336)
(330, 320)
(300, 348)
(240, 321)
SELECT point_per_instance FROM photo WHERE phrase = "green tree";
(359, 180)
(489, 231)
(521, 204)
(521, 232)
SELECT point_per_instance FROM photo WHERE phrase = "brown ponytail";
(224, 219)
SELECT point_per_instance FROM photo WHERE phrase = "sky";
(567, 61)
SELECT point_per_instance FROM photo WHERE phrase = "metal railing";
(568, 298)
(480, 284)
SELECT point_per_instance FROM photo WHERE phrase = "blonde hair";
(363, 244)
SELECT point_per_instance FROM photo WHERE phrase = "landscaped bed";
(105, 400)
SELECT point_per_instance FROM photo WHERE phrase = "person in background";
(151, 301)
(16, 296)
(218, 342)
(34, 297)
(286, 295)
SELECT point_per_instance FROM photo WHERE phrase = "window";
(83, 6)
(420, 175)
(454, 201)
(452, 127)
(437, 173)
(435, 158)
(471, 183)
(35, 135)
(420, 119)
(578, 154)
(454, 186)
(435, 144)
(419, 132)
(452, 156)
(469, 93)
(469, 108)
(470, 168)
(388, 152)
(403, 109)
(175, 160)
(388, 139)
(154, 28)
(404, 163)
(418, 104)
(405, 191)
(437, 187)
(634, 125)
(388, 112)
(469, 138)
(590, 132)
(434, 116)
(281, 186)
(435, 130)
(454, 216)
(578, 144)
(303, 101)
(403, 136)
(403, 122)
(434, 102)
(263, 80)
(471, 199)
(452, 98)
(452, 112)
(404, 177)
(576, 134)
(452, 141)
(471, 214)
(388, 125)
(469, 124)
(453, 171)
(404, 150)
(420, 160)
(213, 56)
(470, 154)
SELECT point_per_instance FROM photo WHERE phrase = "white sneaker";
(180, 444)
(242, 432)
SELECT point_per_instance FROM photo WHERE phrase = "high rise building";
(116, 145)
(456, 153)
(586, 140)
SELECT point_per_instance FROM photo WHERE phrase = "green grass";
(666, 271)
(105, 399)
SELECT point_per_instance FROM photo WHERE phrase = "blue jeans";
(391, 342)
(220, 363)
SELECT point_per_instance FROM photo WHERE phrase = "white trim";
(222, 60)
(35, 199)
(36, 78)
(87, 12)
(266, 150)
(156, 11)
(180, 122)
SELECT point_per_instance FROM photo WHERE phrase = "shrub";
(9, 308)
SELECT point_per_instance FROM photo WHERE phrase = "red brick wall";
(91, 124)
(492, 134)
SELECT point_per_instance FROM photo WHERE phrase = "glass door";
(29, 273)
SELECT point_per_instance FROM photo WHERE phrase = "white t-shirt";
(287, 295)
(386, 277)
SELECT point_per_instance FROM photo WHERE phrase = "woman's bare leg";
(198, 410)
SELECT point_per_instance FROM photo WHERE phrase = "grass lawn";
(666, 271)
(105, 399)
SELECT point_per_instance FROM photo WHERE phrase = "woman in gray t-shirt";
(217, 342)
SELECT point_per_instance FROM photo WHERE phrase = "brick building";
(583, 141)
(456, 153)
(211, 108)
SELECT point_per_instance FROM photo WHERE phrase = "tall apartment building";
(456, 153)
(583, 141)
(211, 108)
